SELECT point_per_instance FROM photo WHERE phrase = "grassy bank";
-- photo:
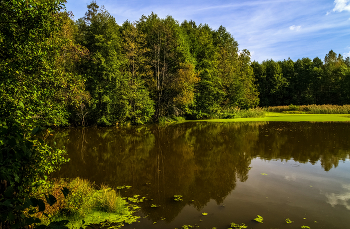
(85, 205)
(285, 117)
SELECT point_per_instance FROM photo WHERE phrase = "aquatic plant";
(187, 226)
(259, 219)
(239, 226)
(124, 187)
(136, 199)
(289, 221)
(178, 198)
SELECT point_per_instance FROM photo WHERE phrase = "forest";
(93, 71)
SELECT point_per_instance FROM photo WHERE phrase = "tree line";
(94, 71)
(304, 81)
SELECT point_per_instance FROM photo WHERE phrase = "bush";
(83, 203)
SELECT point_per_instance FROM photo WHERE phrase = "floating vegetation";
(305, 227)
(155, 206)
(178, 198)
(239, 226)
(259, 219)
(187, 227)
(136, 199)
(204, 213)
(123, 187)
(289, 221)
(264, 174)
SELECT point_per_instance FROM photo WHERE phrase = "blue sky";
(269, 29)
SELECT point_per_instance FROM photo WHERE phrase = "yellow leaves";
(184, 84)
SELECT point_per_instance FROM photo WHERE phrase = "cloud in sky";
(296, 28)
(346, 54)
(269, 29)
(342, 5)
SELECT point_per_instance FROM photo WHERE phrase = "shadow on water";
(200, 161)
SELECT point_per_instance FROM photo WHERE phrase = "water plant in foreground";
(289, 221)
(86, 205)
(178, 198)
(259, 219)
(239, 226)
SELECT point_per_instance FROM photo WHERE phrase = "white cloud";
(296, 28)
(341, 5)
(347, 55)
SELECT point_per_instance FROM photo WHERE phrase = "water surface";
(232, 171)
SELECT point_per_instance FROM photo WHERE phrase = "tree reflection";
(200, 161)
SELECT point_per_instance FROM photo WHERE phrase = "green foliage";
(304, 81)
(24, 166)
(35, 86)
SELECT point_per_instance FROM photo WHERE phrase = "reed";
(312, 109)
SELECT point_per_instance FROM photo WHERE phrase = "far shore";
(282, 117)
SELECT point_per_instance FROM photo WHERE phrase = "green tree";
(167, 53)
(244, 93)
(209, 90)
(33, 91)
(136, 68)
(99, 33)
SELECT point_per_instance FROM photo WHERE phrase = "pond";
(223, 172)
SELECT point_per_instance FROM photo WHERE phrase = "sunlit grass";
(282, 117)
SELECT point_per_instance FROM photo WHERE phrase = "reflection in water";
(200, 161)
(340, 199)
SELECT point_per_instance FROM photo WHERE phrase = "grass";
(312, 109)
(85, 205)
(285, 117)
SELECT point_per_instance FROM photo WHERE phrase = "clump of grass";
(311, 109)
(241, 113)
(85, 204)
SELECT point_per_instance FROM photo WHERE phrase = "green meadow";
(282, 117)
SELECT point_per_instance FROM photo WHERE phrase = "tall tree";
(168, 50)
(136, 69)
(99, 33)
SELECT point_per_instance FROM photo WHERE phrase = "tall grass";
(312, 109)
(242, 113)
(85, 202)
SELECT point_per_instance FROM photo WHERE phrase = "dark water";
(232, 171)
